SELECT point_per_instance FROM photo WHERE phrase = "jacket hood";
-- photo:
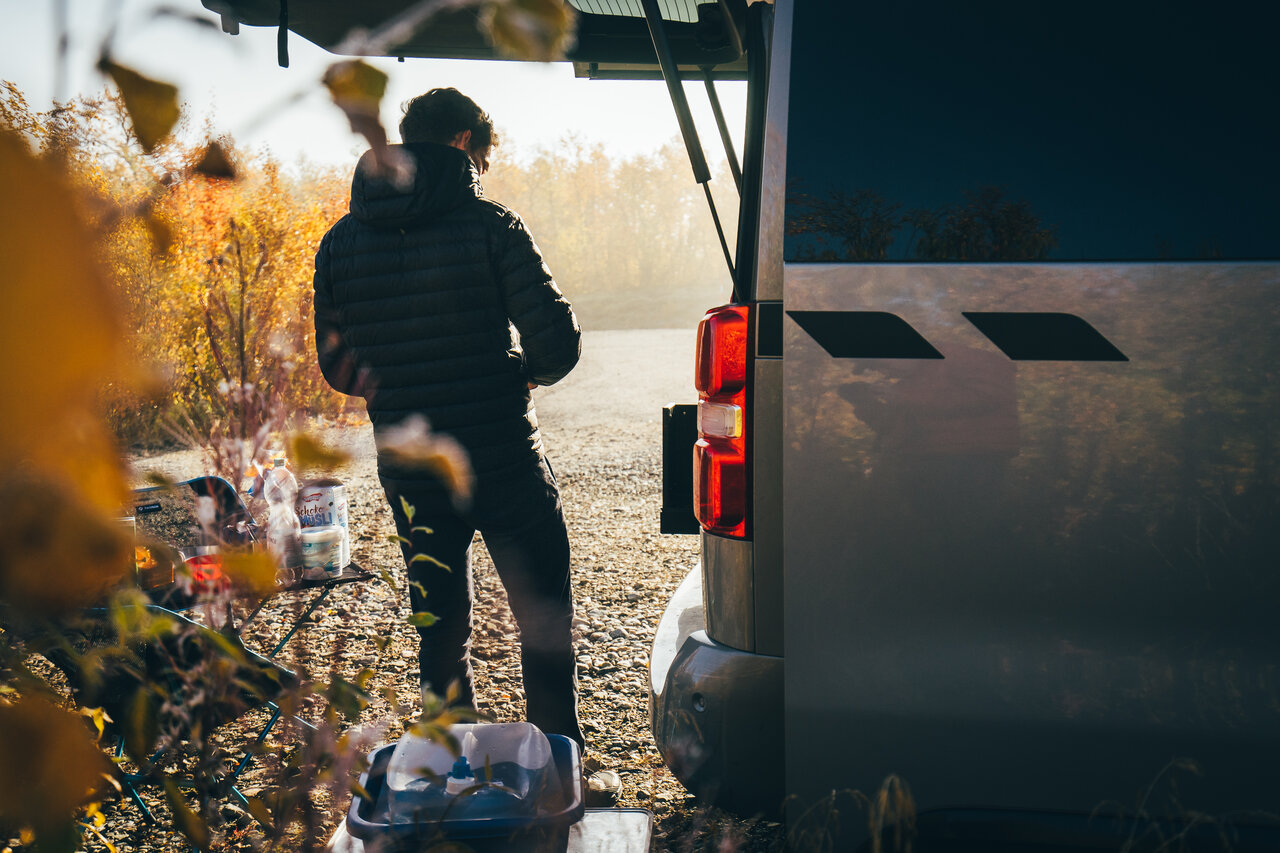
(442, 179)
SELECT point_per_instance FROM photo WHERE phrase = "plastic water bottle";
(284, 529)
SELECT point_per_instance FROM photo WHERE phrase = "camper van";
(985, 459)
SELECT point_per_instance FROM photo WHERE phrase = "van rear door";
(1031, 405)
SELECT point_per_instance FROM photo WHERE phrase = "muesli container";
(323, 503)
(321, 550)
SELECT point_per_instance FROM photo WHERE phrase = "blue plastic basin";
(363, 823)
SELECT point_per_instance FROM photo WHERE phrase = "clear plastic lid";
(512, 765)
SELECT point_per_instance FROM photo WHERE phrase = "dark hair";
(441, 114)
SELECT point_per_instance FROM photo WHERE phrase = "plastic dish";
(363, 823)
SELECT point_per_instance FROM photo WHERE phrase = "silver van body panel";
(728, 591)
(1034, 584)
(773, 191)
(716, 711)
(766, 503)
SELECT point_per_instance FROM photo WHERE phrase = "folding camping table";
(169, 515)
(353, 573)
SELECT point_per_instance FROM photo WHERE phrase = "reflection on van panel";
(1028, 565)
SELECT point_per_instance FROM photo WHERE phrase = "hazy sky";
(235, 79)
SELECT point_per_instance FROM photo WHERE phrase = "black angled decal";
(864, 334)
(1036, 336)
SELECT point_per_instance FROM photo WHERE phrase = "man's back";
(416, 291)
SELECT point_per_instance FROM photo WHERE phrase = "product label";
(324, 506)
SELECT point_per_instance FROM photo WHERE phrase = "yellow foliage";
(251, 571)
(411, 443)
(60, 335)
(308, 453)
(49, 764)
(152, 105)
(531, 29)
(356, 86)
(57, 552)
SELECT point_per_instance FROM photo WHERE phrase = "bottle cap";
(459, 778)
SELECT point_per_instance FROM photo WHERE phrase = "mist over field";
(216, 275)
(630, 241)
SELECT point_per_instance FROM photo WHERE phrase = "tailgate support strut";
(723, 126)
(697, 159)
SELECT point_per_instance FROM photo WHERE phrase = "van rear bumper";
(716, 712)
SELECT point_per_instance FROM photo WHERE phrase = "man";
(416, 290)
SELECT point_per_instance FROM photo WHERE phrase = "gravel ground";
(602, 428)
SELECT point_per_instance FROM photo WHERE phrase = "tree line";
(215, 275)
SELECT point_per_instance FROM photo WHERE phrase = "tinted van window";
(1000, 131)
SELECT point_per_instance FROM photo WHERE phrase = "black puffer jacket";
(416, 290)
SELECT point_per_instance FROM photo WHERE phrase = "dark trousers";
(523, 527)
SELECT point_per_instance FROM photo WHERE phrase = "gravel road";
(602, 428)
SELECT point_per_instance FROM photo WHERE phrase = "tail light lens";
(719, 455)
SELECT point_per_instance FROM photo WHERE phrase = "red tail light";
(719, 456)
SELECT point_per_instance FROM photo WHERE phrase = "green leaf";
(408, 509)
(349, 699)
(152, 105)
(388, 579)
(394, 537)
(258, 809)
(421, 529)
(142, 729)
(155, 478)
(422, 590)
(427, 558)
(423, 619)
(188, 821)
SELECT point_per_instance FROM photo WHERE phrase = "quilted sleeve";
(549, 331)
(337, 362)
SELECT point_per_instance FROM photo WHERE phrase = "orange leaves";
(60, 336)
(57, 552)
(357, 89)
(49, 764)
(530, 29)
(152, 105)
(215, 163)
(411, 443)
(223, 290)
(308, 453)
(355, 86)
(251, 570)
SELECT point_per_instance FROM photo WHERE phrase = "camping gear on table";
(187, 523)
